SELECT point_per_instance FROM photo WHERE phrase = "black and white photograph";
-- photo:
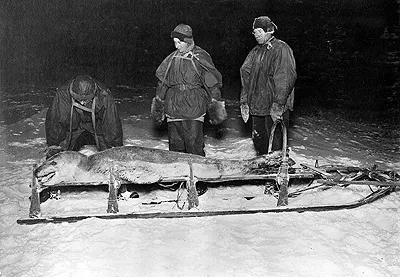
(199, 138)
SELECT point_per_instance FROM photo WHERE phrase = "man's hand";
(276, 111)
(216, 112)
(157, 112)
(245, 112)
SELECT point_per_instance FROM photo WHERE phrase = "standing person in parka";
(188, 86)
(83, 112)
(268, 75)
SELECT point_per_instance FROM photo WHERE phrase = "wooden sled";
(326, 177)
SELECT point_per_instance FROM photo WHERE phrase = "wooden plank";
(34, 209)
(270, 176)
(112, 194)
(323, 173)
(364, 183)
(283, 181)
(192, 196)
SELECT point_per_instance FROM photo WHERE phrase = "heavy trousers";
(186, 136)
(262, 126)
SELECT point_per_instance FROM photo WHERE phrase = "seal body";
(140, 165)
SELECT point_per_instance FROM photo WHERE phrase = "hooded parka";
(107, 122)
(187, 82)
(268, 75)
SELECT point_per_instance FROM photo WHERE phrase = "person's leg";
(175, 136)
(194, 137)
(260, 135)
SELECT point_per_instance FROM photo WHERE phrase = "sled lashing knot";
(192, 195)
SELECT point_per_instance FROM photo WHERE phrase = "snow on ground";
(360, 242)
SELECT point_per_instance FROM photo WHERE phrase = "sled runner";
(375, 195)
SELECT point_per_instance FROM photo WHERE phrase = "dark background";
(344, 60)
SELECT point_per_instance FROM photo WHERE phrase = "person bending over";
(83, 112)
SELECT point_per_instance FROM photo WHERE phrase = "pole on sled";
(192, 196)
(34, 209)
(112, 193)
(282, 178)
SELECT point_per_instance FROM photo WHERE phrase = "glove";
(157, 111)
(216, 112)
(245, 112)
(52, 150)
(276, 111)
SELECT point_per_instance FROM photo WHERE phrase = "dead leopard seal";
(140, 165)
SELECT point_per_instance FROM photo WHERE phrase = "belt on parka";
(183, 87)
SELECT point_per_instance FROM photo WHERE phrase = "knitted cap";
(183, 32)
(82, 88)
(265, 23)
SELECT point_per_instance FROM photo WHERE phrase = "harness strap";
(204, 83)
(168, 67)
(92, 111)
(188, 56)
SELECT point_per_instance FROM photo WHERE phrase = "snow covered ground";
(360, 242)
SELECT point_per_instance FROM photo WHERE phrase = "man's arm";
(161, 74)
(245, 77)
(284, 79)
(284, 75)
(111, 125)
(57, 119)
(212, 77)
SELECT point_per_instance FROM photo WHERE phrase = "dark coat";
(190, 102)
(108, 124)
(268, 75)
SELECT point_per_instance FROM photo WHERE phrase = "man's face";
(261, 36)
(180, 45)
